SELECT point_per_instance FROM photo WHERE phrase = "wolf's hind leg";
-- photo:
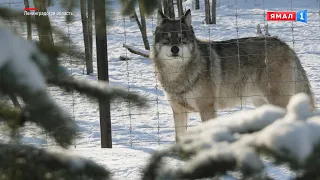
(278, 99)
(281, 87)
(180, 116)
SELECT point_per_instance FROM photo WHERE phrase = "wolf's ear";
(161, 18)
(187, 18)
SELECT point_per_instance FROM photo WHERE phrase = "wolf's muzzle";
(175, 50)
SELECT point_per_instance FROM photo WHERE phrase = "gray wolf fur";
(202, 76)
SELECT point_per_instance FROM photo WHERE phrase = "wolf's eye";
(166, 35)
(165, 39)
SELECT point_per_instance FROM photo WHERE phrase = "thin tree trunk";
(29, 26)
(49, 3)
(160, 5)
(207, 11)
(180, 7)
(142, 27)
(197, 4)
(165, 7)
(90, 28)
(83, 6)
(168, 8)
(103, 73)
(171, 8)
(214, 12)
(45, 34)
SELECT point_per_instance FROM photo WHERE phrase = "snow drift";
(236, 142)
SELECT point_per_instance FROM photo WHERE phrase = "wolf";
(206, 76)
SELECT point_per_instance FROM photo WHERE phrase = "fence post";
(102, 64)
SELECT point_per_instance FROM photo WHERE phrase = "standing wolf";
(199, 76)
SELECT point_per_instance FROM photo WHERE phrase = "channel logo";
(300, 16)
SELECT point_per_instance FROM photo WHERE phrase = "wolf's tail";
(301, 80)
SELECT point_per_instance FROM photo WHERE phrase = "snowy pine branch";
(20, 162)
(23, 74)
(26, 75)
(55, 120)
(60, 49)
(100, 89)
(236, 142)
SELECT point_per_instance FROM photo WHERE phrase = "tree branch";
(137, 51)
(96, 89)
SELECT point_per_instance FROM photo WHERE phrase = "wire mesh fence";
(155, 126)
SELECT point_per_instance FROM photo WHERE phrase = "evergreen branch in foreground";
(20, 162)
(100, 89)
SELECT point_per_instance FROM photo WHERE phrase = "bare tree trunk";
(142, 27)
(90, 28)
(197, 4)
(214, 12)
(85, 29)
(45, 34)
(165, 7)
(171, 9)
(180, 7)
(160, 4)
(168, 8)
(207, 11)
(29, 26)
(35, 163)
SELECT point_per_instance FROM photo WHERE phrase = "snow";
(294, 137)
(140, 51)
(242, 123)
(138, 133)
(299, 132)
(74, 162)
(299, 107)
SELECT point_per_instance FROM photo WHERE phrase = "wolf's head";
(174, 39)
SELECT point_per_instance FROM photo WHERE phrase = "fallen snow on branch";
(22, 72)
(134, 50)
(16, 55)
(235, 142)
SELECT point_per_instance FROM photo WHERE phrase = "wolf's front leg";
(180, 116)
(207, 113)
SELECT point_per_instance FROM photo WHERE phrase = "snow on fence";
(130, 67)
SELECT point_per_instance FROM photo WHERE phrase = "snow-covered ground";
(137, 133)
